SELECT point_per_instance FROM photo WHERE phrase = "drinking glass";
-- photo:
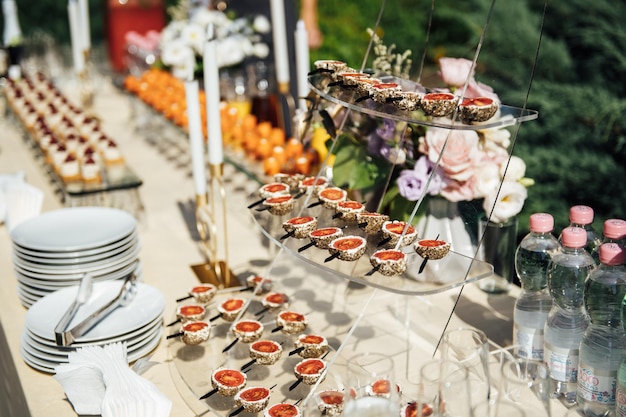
(443, 390)
(524, 382)
(498, 409)
(371, 387)
(470, 347)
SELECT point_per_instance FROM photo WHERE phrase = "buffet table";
(169, 247)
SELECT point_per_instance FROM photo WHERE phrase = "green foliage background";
(576, 150)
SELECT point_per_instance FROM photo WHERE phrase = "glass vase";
(499, 242)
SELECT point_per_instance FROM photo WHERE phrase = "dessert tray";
(436, 276)
(323, 84)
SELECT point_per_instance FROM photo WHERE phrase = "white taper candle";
(302, 62)
(196, 145)
(75, 30)
(212, 91)
(279, 37)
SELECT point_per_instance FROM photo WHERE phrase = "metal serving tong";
(124, 297)
(84, 292)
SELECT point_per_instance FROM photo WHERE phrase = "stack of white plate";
(139, 324)
(55, 249)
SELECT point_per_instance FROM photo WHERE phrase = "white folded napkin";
(97, 380)
(19, 201)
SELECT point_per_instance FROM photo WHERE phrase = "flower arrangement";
(182, 40)
(458, 165)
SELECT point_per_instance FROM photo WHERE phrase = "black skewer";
(237, 411)
(298, 402)
(288, 234)
(265, 208)
(384, 242)
(256, 203)
(295, 384)
(277, 329)
(321, 71)
(230, 345)
(362, 224)
(261, 311)
(298, 195)
(335, 83)
(217, 316)
(184, 298)
(247, 289)
(337, 215)
(208, 394)
(173, 323)
(305, 247)
(392, 99)
(423, 265)
(173, 335)
(296, 351)
(247, 365)
(331, 257)
(360, 99)
(317, 203)
(373, 270)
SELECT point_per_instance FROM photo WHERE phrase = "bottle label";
(620, 400)
(529, 342)
(562, 362)
(597, 385)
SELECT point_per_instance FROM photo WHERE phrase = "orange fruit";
(303, 165)
(278, 152)
(271, 166)
(263, 148)
(264, 129)
(294, 148)
(277, 136)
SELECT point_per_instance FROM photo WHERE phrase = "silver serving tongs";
(84, 292)
(125, 296)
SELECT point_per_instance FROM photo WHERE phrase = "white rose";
(176, 52)
(261, 24)
(487, 179)
(195, 36)
(261, 50)
(515, 171)
(228, 52)
(507, 203)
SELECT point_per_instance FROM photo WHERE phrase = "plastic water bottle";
(534, 302)
(614, 231)
(582, 216)
(567, 321)
(604, 343)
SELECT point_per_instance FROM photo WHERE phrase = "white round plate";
(77, 260)
(149, 303)
(48, 366)
(94, 267)
(74, 229)
(50, 351)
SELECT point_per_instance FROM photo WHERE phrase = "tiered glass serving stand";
(355, 308)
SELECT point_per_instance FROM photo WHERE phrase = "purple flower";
(387, 130)
(411, 182)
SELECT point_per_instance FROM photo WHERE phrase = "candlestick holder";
(211, 225)
(287, 107)
(86, 89)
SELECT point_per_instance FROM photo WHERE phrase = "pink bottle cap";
(541, 222)
(612, 254)
(574, 237)
(581, 215)
(615, 228)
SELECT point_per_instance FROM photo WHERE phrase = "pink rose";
(459, 155)
(459, 191)
(455, 71)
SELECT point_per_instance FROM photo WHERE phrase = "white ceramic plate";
(78, 260)
(94, 267)
(148, 304)
(75, 254)
(57, 284)
(49, 351)
(48, 366)
(74, 229)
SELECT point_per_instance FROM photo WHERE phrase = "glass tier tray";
(322, 84)
(437, 276)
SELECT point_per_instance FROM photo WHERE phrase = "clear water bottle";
(604, 343)
(614, 231)
(534, 302)
(567, 321)
(582, 216)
